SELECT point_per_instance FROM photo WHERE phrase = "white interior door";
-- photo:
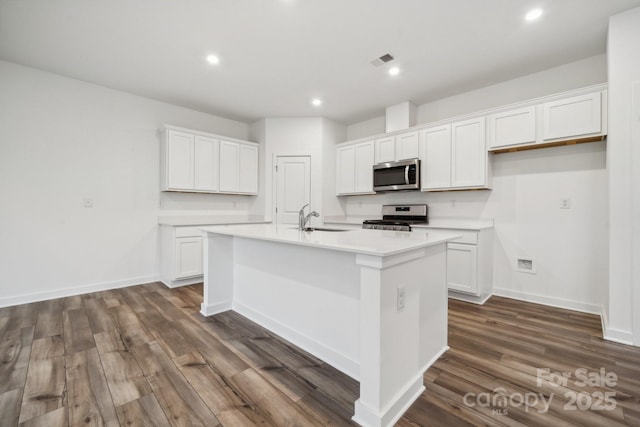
(293, 188)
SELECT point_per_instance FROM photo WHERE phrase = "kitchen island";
(371, 303)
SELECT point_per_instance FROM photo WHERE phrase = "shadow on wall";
(551, 160)
(215, 203)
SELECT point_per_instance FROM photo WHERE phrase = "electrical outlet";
(565, 203)
(87, 202)
(401, 298)
(453, 203)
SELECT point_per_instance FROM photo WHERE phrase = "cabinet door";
(188, 252)
(179, 160)
(364, 158)
(206, 163)
(512, 127)
(462, 273)
(346, 174)
(468, 153)
(385, 150)
(435, 155)
(248, 169)
(575, 116)
(408, 145)
(229, 166)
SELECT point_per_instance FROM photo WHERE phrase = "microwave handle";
(406, 175)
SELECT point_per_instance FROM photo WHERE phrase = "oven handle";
(406, 175)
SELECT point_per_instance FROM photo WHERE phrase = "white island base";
(341, 299)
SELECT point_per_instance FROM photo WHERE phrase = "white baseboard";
(79, 290)
(615, 335)
(210, 310)
(171, 284)
(387, 417)
(333, 358)
(550, 301)
(479, 300)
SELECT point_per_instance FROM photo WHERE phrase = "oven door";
(403, 175)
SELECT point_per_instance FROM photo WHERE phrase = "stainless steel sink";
(324, 229)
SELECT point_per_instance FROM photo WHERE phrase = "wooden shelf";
(549, 144)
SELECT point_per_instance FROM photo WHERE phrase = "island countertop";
(366, 242)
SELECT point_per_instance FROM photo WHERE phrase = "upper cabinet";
(192, 161)
(579, 116)
(398, 147)
(435, 156)
(513, 127)
(572, 117)
(455, 153)
(238, 167)
(354, 166)
(454, 156)
(469, 154)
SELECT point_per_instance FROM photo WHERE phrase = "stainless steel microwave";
(393, 176)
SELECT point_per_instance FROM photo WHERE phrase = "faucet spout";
(303, 220)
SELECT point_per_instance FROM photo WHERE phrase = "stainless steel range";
(399, 217)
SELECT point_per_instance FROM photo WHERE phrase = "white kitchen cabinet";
(576, 116)
(462, 267)
(180, 255)
(470, 265)
(194, 161)
(229, 166)
(205, 162)
(435, 155)
(345, 167)
(248, 169)
(354, 166)
(178, 159)
(238, 167)
(190, 162)
(407, 145)
(385, 150)
(398, 147)
(469, 154)
(513, 127)
(188, 257)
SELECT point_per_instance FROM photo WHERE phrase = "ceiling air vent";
(382, 60)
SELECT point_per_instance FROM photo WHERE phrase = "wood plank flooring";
(144, 356)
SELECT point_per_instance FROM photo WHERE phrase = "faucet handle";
(302, 208)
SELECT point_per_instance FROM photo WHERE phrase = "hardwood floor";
(145, 356)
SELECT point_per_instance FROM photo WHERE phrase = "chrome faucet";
(302, 219)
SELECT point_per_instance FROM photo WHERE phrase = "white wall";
(569, 246)
(62, 140)
(315, 137)
(623, 313)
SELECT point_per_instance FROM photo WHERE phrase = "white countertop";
(368, 242)
(181, 220)
(434, 223)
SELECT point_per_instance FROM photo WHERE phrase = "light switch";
(87, 202)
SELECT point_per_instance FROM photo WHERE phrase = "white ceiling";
(278, 54)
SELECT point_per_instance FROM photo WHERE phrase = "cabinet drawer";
(467, 237)
(188, 232)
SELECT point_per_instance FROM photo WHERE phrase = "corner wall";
(622, 317)
(63, 140)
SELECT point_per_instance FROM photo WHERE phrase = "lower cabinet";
(470, 266)
(180, 255)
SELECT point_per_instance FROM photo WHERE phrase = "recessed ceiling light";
(394, 71)
(533, 14)
(316, 102)
(213, 59)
